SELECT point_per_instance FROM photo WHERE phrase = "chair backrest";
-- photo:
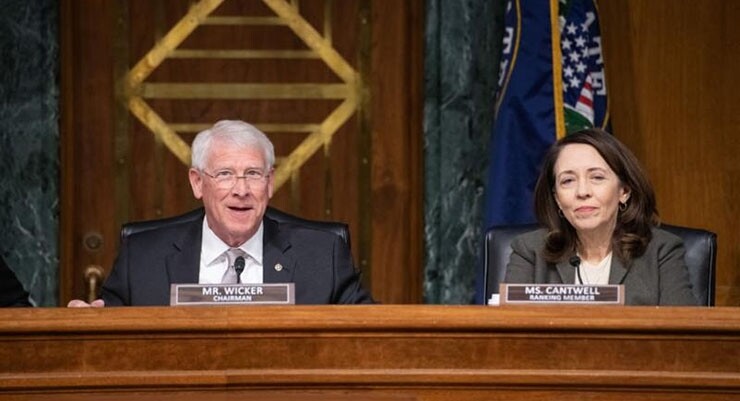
(701, 257)
(340, 229)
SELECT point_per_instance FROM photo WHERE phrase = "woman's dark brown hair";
(632, 233)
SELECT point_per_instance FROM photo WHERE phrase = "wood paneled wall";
(396, 79)
(675, 101)
(115, 170)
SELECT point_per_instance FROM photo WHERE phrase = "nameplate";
(232, 294)
(519, 294)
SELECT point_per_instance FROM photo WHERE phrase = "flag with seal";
(551, 82)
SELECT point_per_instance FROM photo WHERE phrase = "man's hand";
(78, 303)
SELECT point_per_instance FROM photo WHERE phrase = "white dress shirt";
(214, 263)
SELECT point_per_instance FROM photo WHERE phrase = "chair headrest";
(340, 229)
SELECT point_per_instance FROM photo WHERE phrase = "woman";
(598, 210)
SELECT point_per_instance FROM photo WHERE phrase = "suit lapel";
(278, 265)
(617, 272)
(183, 264)
(567, 272)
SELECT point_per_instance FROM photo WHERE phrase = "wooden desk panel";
(371, 352)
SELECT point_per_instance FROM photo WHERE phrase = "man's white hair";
(238, 133)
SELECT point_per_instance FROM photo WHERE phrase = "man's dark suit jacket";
(658, 277)
(318, 262)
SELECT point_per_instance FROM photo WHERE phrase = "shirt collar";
(212, 247)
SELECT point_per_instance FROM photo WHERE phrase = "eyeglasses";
(226, 179)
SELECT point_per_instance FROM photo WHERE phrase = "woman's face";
(587, 190)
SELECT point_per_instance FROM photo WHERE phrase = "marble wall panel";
(29, 145)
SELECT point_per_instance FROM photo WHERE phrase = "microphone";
(575, 261)
(239, 268)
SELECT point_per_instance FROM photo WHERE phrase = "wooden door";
(334, 84)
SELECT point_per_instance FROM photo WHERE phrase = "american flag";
(584, 84)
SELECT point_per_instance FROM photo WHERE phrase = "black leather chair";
(701, 257)
(337, 228)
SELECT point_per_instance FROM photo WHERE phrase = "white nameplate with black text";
(519, 294)
(232, 294)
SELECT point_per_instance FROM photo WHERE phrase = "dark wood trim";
(66, 152)
(397, 172)
(416, 155)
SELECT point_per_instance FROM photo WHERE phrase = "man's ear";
(196, 183)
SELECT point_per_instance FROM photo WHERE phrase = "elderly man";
(232, 172)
